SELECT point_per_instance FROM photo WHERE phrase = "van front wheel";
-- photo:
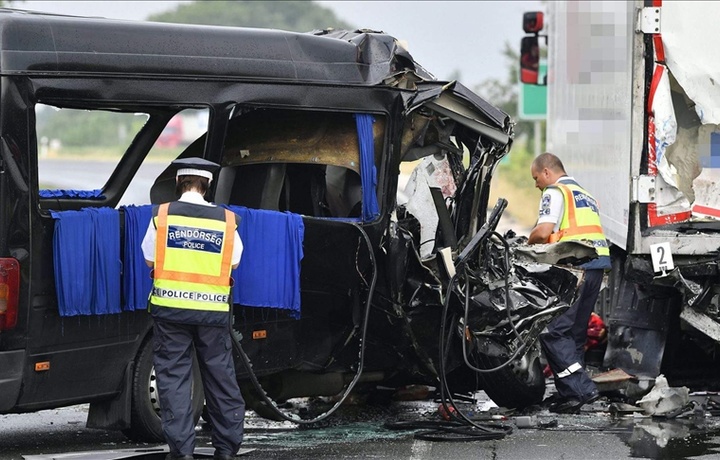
(519, 384)
(145, 425)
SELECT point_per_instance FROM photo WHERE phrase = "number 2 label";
(662, 258)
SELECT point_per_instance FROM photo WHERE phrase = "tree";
(297, 16)
(504, 94)
(513, 178)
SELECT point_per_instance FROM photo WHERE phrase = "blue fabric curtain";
(59, 193)
(136, 280)
(86, 250)
(368, 172)
(269, 272)
(106, 260)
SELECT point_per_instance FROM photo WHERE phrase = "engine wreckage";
(425, 287)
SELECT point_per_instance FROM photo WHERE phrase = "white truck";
(633, 112)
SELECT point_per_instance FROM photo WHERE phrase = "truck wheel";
(145, 425)
(519, 384)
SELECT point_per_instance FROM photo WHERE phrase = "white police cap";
(195, 166)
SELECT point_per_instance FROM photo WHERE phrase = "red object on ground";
(444, 414)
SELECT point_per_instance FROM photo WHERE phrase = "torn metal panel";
(668, 196)
(637, 330)
(689, 31)
(562, 252)
(431, 172)
(689, 289)
(702, 322)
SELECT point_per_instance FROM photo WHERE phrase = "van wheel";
(519, 384)
(256, 403)
(145, 425)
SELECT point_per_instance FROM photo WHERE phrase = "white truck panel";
(690, 34)
(590, 103)
(596, 110)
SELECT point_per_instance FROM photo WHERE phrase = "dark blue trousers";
(564, 341)
(174, 345)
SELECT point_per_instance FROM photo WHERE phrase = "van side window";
(79, 149)
(182, 130)
(305, 162)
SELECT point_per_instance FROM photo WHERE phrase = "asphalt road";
(93, 174)
(358, 431)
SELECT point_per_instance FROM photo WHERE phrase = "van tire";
(145, 424)
(519, 384)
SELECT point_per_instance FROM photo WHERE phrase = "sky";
(445, 37)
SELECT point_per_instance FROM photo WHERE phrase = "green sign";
(532, 99)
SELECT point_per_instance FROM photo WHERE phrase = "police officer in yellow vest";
(569, 212)
(192, 246)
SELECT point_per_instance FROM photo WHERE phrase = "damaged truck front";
(634, 113)
(341, 282)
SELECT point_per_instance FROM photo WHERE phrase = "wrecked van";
(342, 283)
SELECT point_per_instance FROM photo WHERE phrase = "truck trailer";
(633, 112)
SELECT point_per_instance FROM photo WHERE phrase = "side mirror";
(529, 60)
(533, 22)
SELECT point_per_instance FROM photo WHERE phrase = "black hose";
(479, 431)
(361, 359)
(523, 344)
(471, 430)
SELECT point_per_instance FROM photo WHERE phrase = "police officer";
(192, 246)
(569, 212)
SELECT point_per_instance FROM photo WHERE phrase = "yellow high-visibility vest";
(581, 218)
(193, 258)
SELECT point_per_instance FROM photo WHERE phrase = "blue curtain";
(368, 172)
(136, 280)
(86, 249)
(269, 272)
(86, 258)
(59, 193)
(107, 262)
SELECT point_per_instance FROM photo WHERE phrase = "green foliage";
(298, 16)
(504, 94)
(512, 178)
(513, 182)
(92, 129)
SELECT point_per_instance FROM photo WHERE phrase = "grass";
(513, 182)
(523, 200)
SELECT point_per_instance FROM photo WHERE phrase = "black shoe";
(552, 400)
(591, 398)
(573, 405)
(172, 456)
(219, 456)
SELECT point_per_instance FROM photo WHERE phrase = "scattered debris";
(663, 399)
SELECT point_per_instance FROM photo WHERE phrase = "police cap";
(195, 166)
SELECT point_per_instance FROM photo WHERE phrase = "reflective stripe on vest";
(580, 222)
(193, 258)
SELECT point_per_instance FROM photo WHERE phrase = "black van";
(349, 274)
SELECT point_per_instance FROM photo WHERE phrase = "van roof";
(48, 44)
